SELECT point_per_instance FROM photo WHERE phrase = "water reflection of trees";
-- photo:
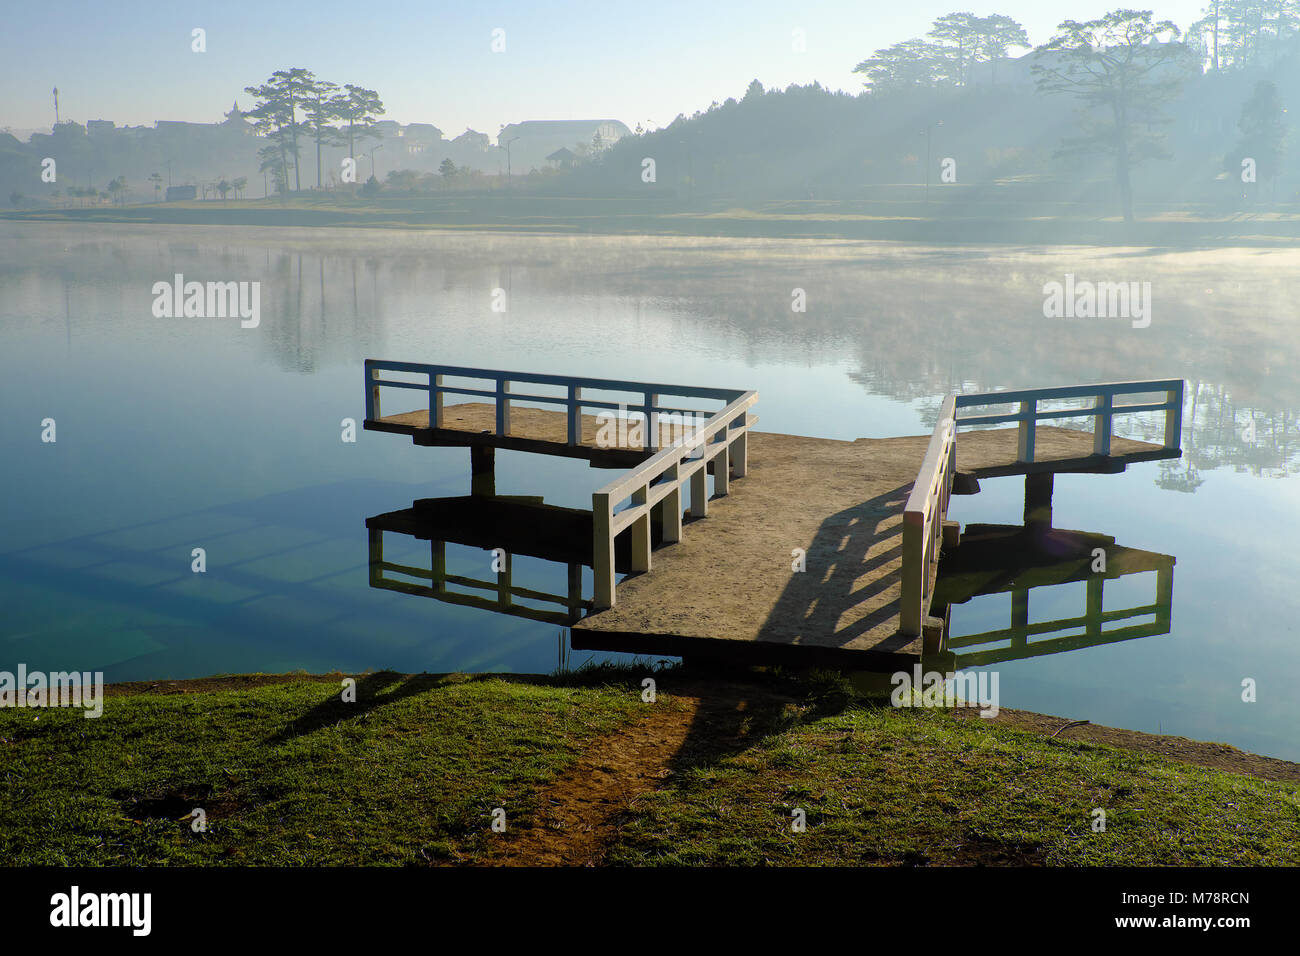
(912, 323)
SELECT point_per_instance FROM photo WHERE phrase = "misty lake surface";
(183, 433)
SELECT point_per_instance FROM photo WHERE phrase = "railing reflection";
(504, 527)
(993, 559)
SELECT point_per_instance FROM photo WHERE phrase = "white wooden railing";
(923, 517)
(721, 439)
(718, 437)
(1103, 410)
(927, 505)
(503, 389)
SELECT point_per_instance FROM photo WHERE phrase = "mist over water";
(193, 432)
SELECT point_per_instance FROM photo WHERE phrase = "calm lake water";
(175, 434)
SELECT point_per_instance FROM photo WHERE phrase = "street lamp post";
(372, 160)
(506, 147)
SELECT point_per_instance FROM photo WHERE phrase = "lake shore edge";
(794, 219)
(1222, 756)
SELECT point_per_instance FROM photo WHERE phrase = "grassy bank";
(710, 773)
(909, 221)
(289, 773)
(882, 785)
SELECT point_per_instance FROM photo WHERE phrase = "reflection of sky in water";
(176, 434)
(1234, 608)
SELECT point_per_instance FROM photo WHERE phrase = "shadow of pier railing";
(851, 583)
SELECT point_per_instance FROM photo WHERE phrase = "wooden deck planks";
(728, 588)
(531, 429)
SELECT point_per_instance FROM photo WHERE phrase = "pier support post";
(482, 469)
(1038, 504)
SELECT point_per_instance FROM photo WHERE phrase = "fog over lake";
(177, 433)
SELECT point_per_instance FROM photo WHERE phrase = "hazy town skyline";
(639, 63)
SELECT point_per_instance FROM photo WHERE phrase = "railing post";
(1102, 425)
(575, 589)
(651, 422)
(1025, 437)
(435, 402)
(740, 450)
(1174, 417)
(952, 464)
(1019, 630)
(575, 415)
(700, 492)
(376, 542)
(438, 565)
(1095, 606)
(914, 572)
(671, 507)
(1164, 594)
(503, 407)
(372, 392)
(641, 532)
(503, 582)
(602, 552)
(722, 469)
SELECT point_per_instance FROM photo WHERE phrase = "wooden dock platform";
(537, 430)
(805, 550)
(731, 592)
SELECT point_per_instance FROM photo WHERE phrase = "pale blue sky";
(131, 62)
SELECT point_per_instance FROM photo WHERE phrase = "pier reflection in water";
(495, 530)
(1017, 559)
(501, 528)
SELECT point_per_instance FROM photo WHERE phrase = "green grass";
(289, 774)
(882, 785)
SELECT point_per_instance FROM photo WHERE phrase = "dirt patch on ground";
(1216, 756)
(580, 812)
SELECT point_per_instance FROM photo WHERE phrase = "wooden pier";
(807, 550)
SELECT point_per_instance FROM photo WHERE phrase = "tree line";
(295, 103)
(1123, 68)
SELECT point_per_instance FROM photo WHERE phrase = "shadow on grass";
(372, 690)
(739, 711)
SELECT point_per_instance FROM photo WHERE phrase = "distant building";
(535, 140)
(235, 121)
(566, 132)
(182, 192)
(474, 139)
(562, 158)
(420, 137)
(99, 127)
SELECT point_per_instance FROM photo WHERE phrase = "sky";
(433, 62)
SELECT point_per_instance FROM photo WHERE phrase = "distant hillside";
(806, 142)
